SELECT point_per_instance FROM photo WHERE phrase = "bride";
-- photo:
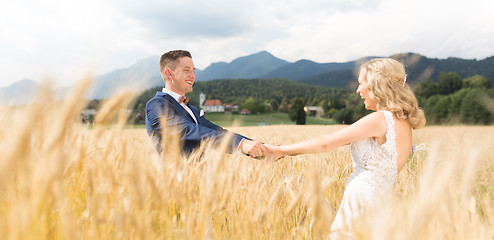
(380, 142)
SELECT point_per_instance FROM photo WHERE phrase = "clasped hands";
(258, 150)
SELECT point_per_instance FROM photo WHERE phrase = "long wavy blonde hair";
(386, 81)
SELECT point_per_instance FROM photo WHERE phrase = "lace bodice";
(376, 163)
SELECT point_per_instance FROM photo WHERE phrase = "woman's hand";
(273, 153)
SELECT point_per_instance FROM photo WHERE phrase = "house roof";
(213, 102)
(314, 108)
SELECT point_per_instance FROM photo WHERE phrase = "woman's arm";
(372, 125)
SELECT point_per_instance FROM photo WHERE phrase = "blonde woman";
(380, 142)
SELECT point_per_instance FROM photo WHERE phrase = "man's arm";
(177, 123)
(246, 145)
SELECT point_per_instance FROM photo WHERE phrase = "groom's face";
(183, 76)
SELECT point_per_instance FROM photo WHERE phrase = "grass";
(61, 180)
(228, 119)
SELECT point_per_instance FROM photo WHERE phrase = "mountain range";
(144, 74)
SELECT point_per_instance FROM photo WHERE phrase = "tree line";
(448, 100)
(270, 95)
(453, 100)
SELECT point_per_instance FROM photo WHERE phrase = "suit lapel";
(196, 113)
(179, 109)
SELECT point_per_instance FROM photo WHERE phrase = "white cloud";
(432, 28)
(66, 39)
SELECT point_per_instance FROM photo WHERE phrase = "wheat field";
(60, 179)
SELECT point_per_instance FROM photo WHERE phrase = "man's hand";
(252, 148)
(272, 154)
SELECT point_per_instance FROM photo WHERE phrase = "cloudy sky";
(64, 40)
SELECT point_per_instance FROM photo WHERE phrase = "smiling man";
(170, 107)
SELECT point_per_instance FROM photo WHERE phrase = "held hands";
(256, 149)
(273, 153)
(253, 148)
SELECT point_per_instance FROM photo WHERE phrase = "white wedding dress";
(373, 177)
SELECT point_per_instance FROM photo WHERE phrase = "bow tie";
(184, 100)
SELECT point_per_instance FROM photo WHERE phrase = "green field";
(228, 119)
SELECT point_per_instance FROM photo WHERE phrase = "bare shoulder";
(376, 119)
(373, 125)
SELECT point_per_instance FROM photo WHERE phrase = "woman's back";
(403, 141)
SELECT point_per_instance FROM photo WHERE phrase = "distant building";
(228, 107)
(244, 111)
(315, 111)
(87, 115)
(231, 108)
(213, 105)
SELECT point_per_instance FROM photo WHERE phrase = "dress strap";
(390, 129)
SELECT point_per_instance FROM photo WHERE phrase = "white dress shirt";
(178, 97)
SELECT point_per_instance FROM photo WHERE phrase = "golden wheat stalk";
(60, 179)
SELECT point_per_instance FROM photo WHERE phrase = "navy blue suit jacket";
(179, 122)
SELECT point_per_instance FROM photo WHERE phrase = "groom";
(182, 119)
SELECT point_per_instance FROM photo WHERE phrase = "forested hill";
(419, 69)
(144, 74)
(452, 100)
(236, 91)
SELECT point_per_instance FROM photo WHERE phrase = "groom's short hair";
(170, 59)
